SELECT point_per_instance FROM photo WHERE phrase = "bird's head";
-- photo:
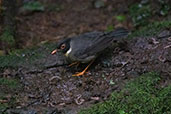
(63, 46)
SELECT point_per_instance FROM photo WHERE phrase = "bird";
(87, 47)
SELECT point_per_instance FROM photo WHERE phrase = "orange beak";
(54, 51)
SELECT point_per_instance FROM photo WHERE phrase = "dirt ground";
(54, 90)
(69, 21)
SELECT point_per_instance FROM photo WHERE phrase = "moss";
(139, 96)
(11, 83)
(140, 14)
(8, 104)
(151, 29)
(109, 28)
(3, 107)
(9, 87)
(54, 7)
(10, 61)
(121, 18)
(34, 6)
(8, 37)
(22, 57)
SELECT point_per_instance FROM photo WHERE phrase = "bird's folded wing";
(99, 43)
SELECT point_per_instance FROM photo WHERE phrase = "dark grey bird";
(85, 48)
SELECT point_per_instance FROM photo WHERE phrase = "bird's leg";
(82, 73)
(77, 64)
(74, 63)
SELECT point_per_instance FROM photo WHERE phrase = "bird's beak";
(54, 51)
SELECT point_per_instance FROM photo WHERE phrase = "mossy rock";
(25, 57)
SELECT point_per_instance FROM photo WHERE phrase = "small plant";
(110, 28)
(121, 18)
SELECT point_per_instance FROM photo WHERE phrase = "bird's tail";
(118, 33)
(104, 40)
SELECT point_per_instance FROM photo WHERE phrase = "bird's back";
(90, 44)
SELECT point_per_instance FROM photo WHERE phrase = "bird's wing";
(97, 45)
(81, 43)
(93, 45)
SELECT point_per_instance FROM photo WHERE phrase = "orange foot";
(82, 73)
(79, 74)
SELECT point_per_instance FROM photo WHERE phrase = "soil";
(69, 21)
(54, 89)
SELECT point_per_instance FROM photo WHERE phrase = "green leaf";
(121, 18)
(122, 112)
(110, 28)
(111, 82)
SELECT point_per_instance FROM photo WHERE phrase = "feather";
(102, 41)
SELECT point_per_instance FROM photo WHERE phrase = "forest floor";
(34, 81)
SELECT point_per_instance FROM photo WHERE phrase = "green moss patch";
(33, 6)
(142, 12)
(8, 36)
(24, 57)
(8, 89)
(151, 29)
(11, 83)
(140, 96)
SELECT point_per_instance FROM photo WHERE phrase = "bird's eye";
(63, 46)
